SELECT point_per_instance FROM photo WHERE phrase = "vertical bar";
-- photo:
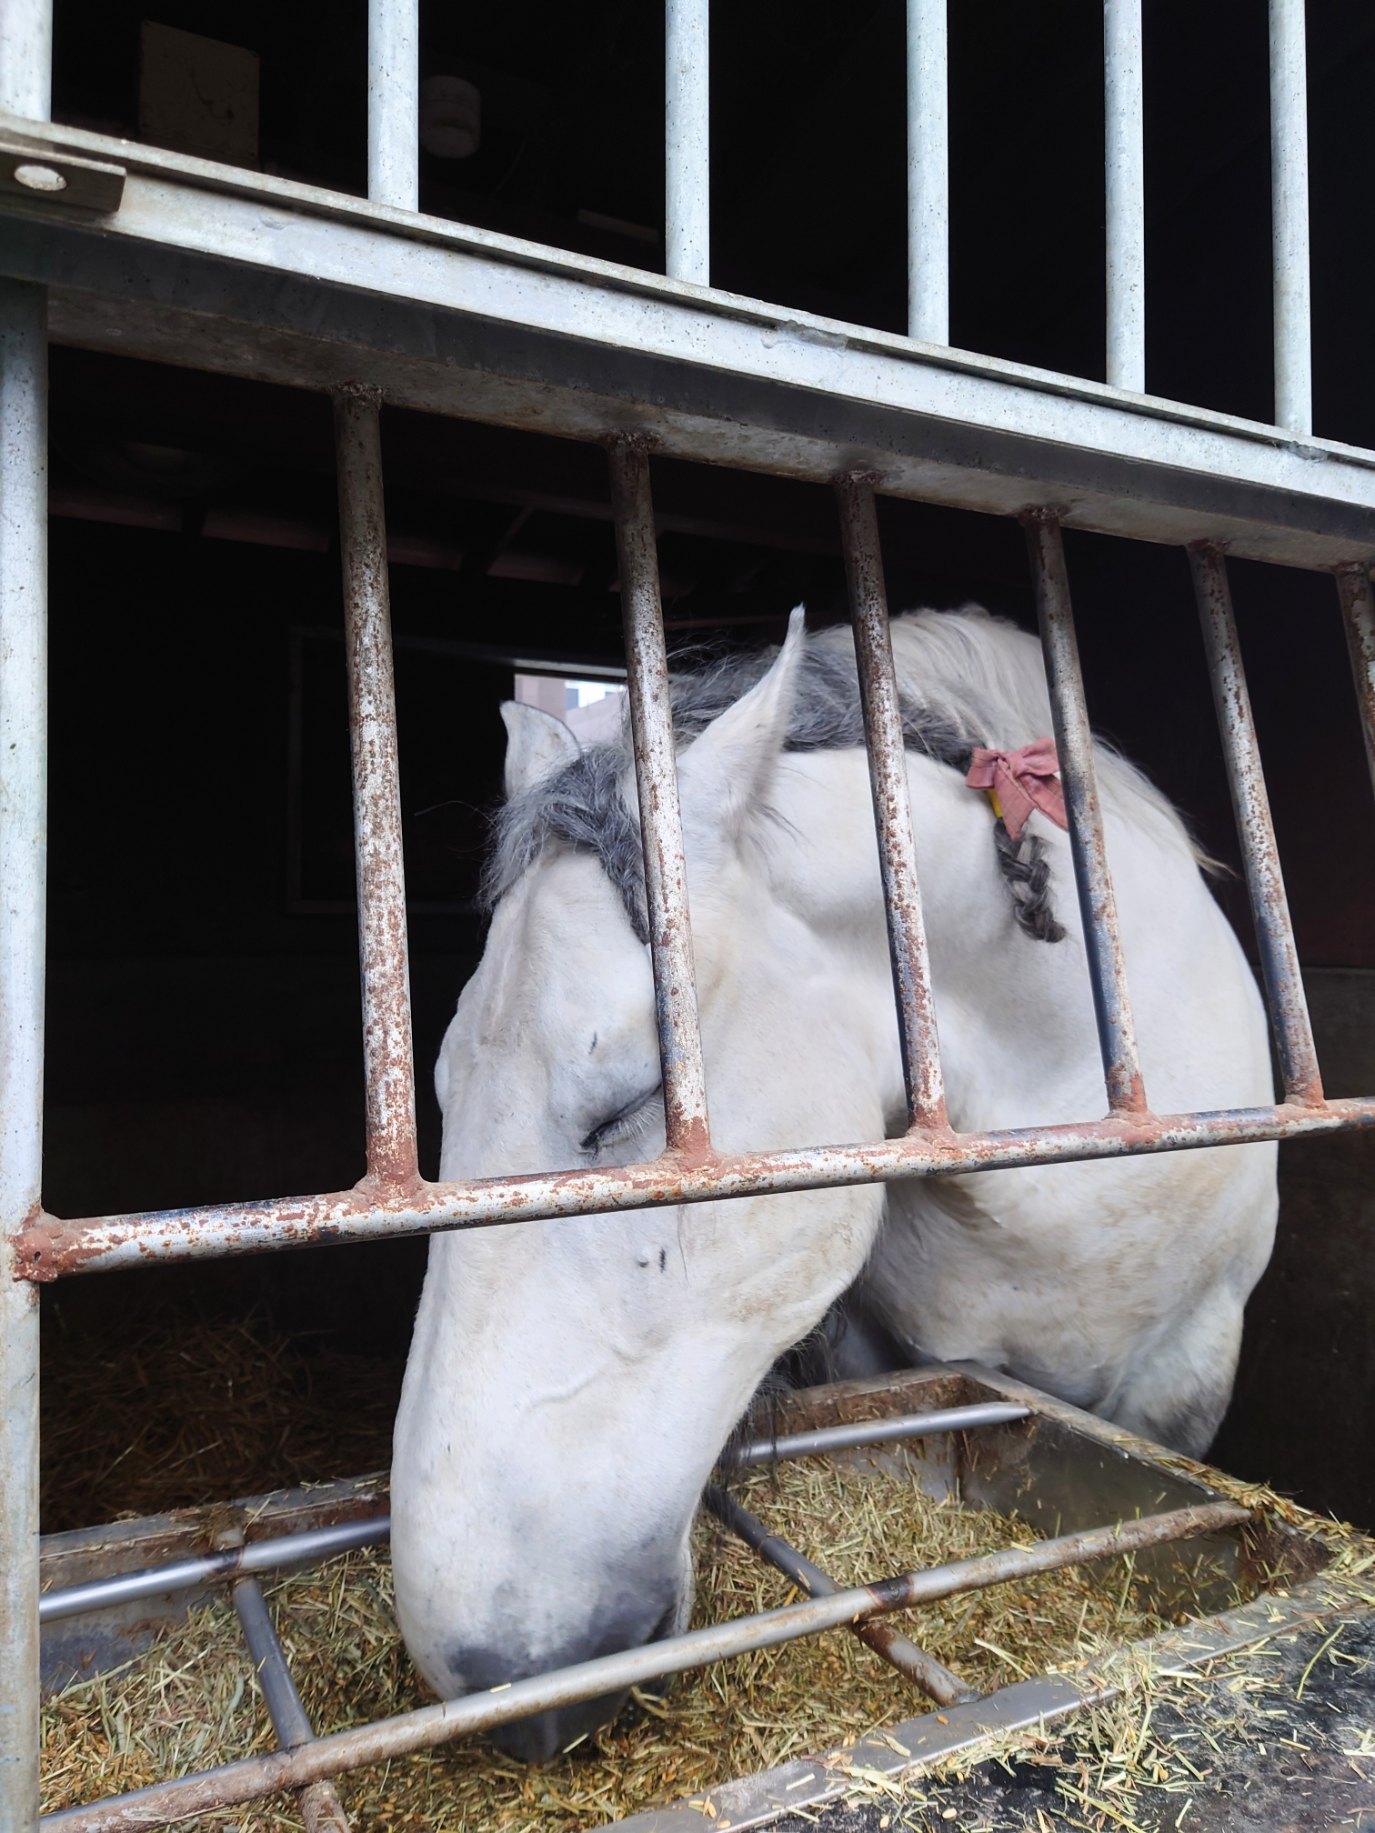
(23, 873)
(886, 746)
(928, 173)
(26, 58)
(687, 141)
(1289, 216)
(656, 777)
(321, 1808)
(1358, 614)
(1125, 186)
(1074, 742)
(394, 103)
(389, 1064)
(1279, 957)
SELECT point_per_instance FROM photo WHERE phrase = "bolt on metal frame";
(392, 1198)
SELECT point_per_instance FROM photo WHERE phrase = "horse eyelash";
(629, 1123)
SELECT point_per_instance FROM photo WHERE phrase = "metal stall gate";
(114, 245)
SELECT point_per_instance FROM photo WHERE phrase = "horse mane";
(965, 679)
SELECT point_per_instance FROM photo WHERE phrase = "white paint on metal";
(1125, 184)
(26, 57)
(928, 173)
(1289, 214)
(394, 103)
(687, 142)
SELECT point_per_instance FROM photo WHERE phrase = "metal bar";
(1125, 189)
(1289, 217)
(26, 58)
(687, 141)
(822, 1439)
(933, 1677)
(23, 874)
(886, 746)
(661, 822)
(394, 103)
(928, 173)
(49, 1248)
(1279, 955)
(1074, 742)
(1358, 615)
(379, 860)
(305, 1548)
(250, 1778)
(320, 1805)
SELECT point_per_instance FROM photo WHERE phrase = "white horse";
(571, 1383)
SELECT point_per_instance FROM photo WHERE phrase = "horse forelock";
(581, 805)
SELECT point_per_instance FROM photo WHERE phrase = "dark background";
(204, 1034)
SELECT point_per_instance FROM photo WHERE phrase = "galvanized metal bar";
(23, 876)
(822, 1439)
(250, 1778)
(1125, 195)
(268, 1555)
(1358, 615)
(320, 1805)
(1289, 217)
(661, 822)
(26, 58)
(49, 1248)
(1074, 742)
(687, 141)
(378, 854)
(1279, 955)
(394, 103)
(933, 1677)
(886, 746)
(928, 173)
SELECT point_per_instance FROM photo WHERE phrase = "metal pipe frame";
(661, 822)
(886, 747)
(899, 1651)
(1289, 217)
(321, 1808)
(928, 173)
(1074, 742)
(1279, 955)
(378, 854)
(1125, 195)
(823, 1439)
(250, 1778)
(687, 141)
(1358, 616)
(394, 103)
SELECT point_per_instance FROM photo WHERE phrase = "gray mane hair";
(582, 806)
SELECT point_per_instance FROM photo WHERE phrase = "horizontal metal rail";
(320, 1805)
(271, 1555)
(48, 1248)
(899, 1651)
(862, 1432)
(250, 1778)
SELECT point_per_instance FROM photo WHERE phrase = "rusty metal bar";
(23, 875)
(394, 103)
(886, 747)
(1279, 956)
(928, 173)
(250, 1778)
(687, 141)
(379, 860)
(1125, 195)
(1289, 217)
(1358, 615)
(320, 1805)
(661, 821)
(915, 1664)
(1074, 742)
(874, 1432)
(49, 1248)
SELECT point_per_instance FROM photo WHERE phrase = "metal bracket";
(47, 177)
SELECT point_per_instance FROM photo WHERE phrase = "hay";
(192, 1698)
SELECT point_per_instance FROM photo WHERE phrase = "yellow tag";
(992, 795)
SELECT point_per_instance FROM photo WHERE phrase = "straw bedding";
(192, 1699)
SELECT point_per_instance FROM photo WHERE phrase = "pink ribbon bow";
(1020, 781)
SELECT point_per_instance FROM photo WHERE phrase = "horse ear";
(537, 745)
(727, 767)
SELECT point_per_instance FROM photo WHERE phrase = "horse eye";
(620, 1125)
